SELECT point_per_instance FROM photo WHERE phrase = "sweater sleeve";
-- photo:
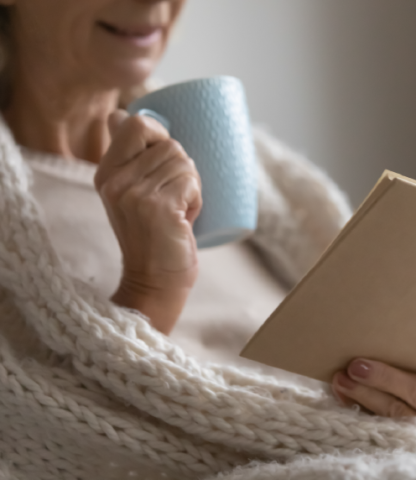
(301, 210)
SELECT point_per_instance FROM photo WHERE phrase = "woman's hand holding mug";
(152, 194)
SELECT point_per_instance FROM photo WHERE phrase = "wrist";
(163, 306)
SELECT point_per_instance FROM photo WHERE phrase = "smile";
(144, 36)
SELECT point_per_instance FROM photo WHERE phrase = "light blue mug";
(209, 118)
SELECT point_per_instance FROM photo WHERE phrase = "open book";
(360, 298)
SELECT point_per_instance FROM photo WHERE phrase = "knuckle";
(198, 178)
(187, 165)
(130, 198)
(397, 409)
(174, 147)
(130, 202)
(137, 123)
(190, 188)
(135, 127)
(382, 375)
(195, 184)
(135, 200)
(178, 154)
(191, 165)
(188, 180)
(110, 191)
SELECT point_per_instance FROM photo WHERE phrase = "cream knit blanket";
(89, 390)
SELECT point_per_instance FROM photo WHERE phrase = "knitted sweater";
(234, 292)
(91, 390)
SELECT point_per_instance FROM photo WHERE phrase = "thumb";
(115, 120)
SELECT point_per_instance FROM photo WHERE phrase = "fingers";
(385, 378)
(115, 120)
(155, 167)
(131, 137)
(186, 189)
(175, 186)
(151, 191)
(380, 388)
(169, 171)
(134, 135)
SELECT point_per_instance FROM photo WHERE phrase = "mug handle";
(160, 118)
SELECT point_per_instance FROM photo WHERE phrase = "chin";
(128, 75)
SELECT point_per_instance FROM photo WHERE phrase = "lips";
(143, 31)
(142, 37)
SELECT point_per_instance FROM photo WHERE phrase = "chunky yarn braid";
(102, 380)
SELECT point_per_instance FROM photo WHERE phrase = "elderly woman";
(70, 66)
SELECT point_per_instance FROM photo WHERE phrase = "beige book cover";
(360, 298)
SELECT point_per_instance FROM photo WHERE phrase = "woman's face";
(115, 43)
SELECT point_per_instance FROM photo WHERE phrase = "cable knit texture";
(300, 209)
(91, 390)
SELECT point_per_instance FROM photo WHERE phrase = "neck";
(67, 118)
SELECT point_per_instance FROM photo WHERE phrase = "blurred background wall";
(335, 79)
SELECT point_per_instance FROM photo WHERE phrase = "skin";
(68, 74)
(377, 387)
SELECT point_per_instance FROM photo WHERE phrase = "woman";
(70, 65)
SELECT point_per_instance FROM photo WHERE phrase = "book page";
(358, 300)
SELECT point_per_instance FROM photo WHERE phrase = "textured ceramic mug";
(209, 117)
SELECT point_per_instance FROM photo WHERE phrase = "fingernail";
(359, 369)
(344, 382)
